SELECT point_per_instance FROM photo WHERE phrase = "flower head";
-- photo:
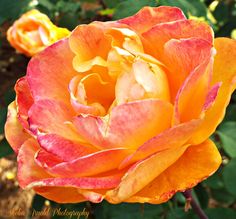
(123, 110)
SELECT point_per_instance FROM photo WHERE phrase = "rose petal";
(224, 70)
(24, 101)
(142, 173)
(211, 96)
(31, 175)
(92, 164)
(169, 139)
(51, 116)
(197, 163)
(60, 194)
(147, 17)
(28, 170)
(79, 182)
(88, 65)
(45, 159)
(180, 29)
(89, 41)
(191, 97)
(129, 125)
(50, 72)
(182, 57)
(64, 148)
(14, 131)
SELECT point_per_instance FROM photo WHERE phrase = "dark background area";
(216, 195)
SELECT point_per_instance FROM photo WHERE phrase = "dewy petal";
(89, 41)
(196, 164)
(128, 125)
(24, 101)
(51, 116)
(174, 137)
(15, 134)
(50, 72)
(142, 173)
(28, 170)
(224, 70)
(181, 29)
(89, 165)
(147, 17)
(182, 57)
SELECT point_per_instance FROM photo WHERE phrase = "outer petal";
(169, 139)
(64, 148)
(28, 171)
(224, 70)
(50, 72)
(181, 29)
(24, 101)
(129, 125)
(192, 95)
(197, 163)
(14, 132)
(182, 57)
(81, 183)
(31, 175)
(59, 195)
(53, 118)
(147, 17)
(142, 173)
(92, 164)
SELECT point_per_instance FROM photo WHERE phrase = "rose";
(33, 32)
(123, 110)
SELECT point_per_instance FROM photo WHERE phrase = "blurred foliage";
(217, 194)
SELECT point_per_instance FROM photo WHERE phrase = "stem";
(198, 210)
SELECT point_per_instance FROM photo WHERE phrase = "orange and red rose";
(33, 32)
(123, 110)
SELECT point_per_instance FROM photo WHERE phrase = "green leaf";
(214, 181)
(179, 213)
(9, 96)
(112, 4)
(47, 4)
(227, 136)
(5, 148)
(219, 213)
(202, 195)
(108, 11)
(221, 12)
(193, 7)
(229, 176)
(69, 20)
(222, 196)
(179, 198)
(3, 116)
(128, 211)
(230, 113)
(130, 7)
(68, 7)
(10, 10)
